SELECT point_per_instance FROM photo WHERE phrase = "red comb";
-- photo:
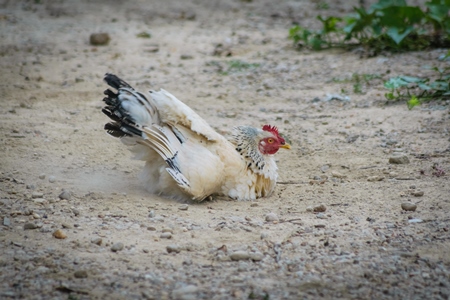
(270, 129)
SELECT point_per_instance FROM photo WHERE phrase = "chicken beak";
(285, 146)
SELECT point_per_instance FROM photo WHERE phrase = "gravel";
(117, 247)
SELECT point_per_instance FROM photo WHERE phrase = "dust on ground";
(231, 62)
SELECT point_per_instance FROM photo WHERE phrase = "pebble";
(186, 56)
(151, 228)
(36, 195)
(409, 206)
(59, 234)
(99, 39)
(6, 221)
(166, 235)
(28, 226)
(117, 247)
(375, 178)
(80, 274)
(97, 241)
(167, 230)
(151, 214)
(321, 216)
(240, 255)
(271, 217)
(66, 225)
(337, 174)
(39, 200)
(42, 176)
(185, 293)
(51, 179)
(65, 195)
(399, 159)
(417, 193)
(173, 248)
(415, 220)
(256, 256)
(319, 208)
(183, 207)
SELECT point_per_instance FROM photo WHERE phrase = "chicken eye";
(270, 141)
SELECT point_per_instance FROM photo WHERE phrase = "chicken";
(185, 157)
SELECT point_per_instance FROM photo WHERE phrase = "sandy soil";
(364, 246)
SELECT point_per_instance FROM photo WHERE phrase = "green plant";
(386, 25)
(417, 90)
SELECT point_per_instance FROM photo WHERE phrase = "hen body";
(185, 157)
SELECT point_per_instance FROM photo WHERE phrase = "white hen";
(185, 157)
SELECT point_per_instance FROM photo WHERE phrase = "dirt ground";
(231, 62)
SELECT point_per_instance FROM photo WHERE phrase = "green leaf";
(414, 101)
(410, 79)
(397, 36)
(389, 96)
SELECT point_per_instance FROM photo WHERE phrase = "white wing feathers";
(173, 111)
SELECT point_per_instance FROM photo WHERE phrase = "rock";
(97, 240)
(239, 255)
(36, 195)
(117, 247)
(152, 48)
(271, 217)
(80, 274)
(399, 158)
(99, 39)
(167, 230)
(59, 234)
(375, 178)
(337, 174)
(417, 193)
(183, 207)
(408, 206)
(42, 176)
(66, 225)
(75, 211)
(51, 179)
(256, 256)
(65, 195)
(29, 226)
(319, 208)
(151, 228)
(320, 226)
(173, 248)
(186, 56)
(6, 221)
(151, 214)
(39, 200)
(309, 209)
(415, 220)
(185, 293)
(321, 216)
(166, 235)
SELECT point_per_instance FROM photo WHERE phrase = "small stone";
(65, 195)
(166, 235)
(167, 230)
(240, 255)
(321, 216)
(309, 209)
(42, 176)
(51, 179)
(75, 211)
(256, 256)
(59, 234)
(375, 178)
(66, 225)
(399, 159)
(151, 214)
(6, 221)
(186, 56)
(417, 193)
(320, 226)
(173, 248)
(319, 208)
(408, 206)
(271, 217)
(145, 250)
(183, 207)
(98, 241)
(337, 174)
(152, 48)
(415, 220)
(36, 195)
(185, 293)
(117, 247)
(80, 274)
(99, 39)
(151, 228)
(36, 216)
(29, 226)
(39, 200)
